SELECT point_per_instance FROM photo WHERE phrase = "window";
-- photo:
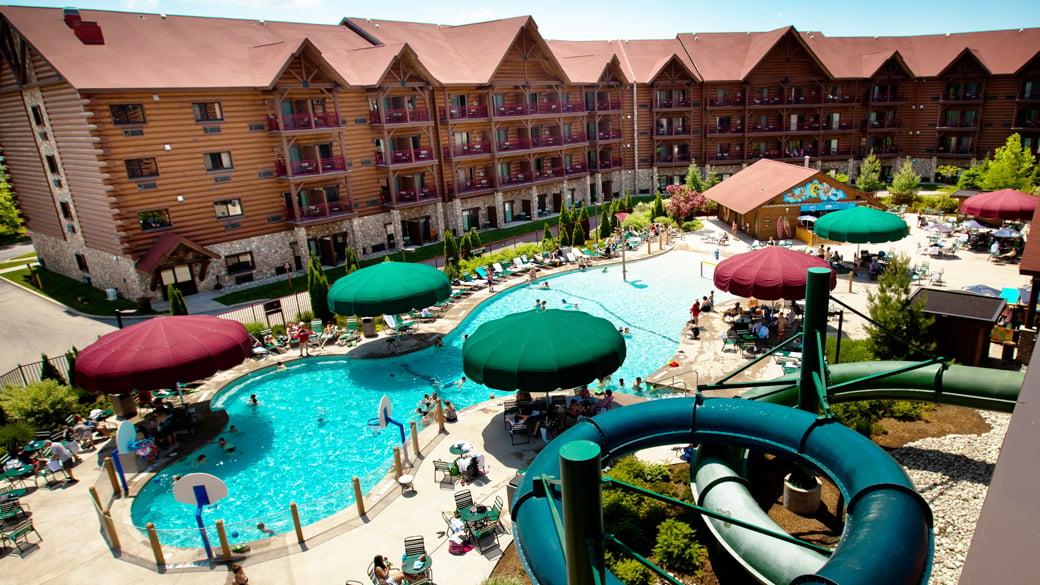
(207, 111)
(123, 114)
(140, 168)
(81, 262)
(218, 161)
(154, 219)
(37, 115)
(239, 262)
(227, 208)
(52, 164)
(66, 211)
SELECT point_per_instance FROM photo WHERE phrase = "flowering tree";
(683, 202)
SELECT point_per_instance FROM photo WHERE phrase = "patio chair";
(444, 468)
(372, 575)
(20, 534)
(463, 499)
(518, 434)
(350, 333)
(11, 509)
(729, 338)
(480, 534)
(414, 545)
(496, 511)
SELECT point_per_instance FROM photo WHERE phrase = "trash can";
(368, 326)
(112, 294)
(511, 488)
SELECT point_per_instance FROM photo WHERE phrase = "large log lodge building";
(148, 149)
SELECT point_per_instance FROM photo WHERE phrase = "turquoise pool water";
(308, 436)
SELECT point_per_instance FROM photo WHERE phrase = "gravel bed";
(953, 474)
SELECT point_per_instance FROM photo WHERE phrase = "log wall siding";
(29, 179)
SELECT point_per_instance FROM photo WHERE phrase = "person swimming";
(252, 400)
(199, 460)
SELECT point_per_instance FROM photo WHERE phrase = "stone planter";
(803, 502)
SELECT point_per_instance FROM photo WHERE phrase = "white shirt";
(60, 450)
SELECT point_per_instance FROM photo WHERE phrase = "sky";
(623, 19)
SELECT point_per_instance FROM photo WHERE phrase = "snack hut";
(767, 199)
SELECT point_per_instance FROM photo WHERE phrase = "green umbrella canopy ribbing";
(539, 351)
(388, 287)
(862, 225)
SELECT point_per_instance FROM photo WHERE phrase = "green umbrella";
(388, 287)
(862, 225)
(543, 350)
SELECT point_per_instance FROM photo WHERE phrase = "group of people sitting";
(582, 405)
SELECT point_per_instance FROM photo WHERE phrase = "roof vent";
(71, 16)
(947, 34)
(89, 32)
(162, 16)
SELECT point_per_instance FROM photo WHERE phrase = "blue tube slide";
(887, 538)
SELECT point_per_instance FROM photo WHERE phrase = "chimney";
(72, 17)
(88, 32)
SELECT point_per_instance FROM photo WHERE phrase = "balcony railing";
(725, 102)
(669, 104)
(724, 156)
(610, 163)
(840, 98)
(576, 169)
(732, 129)
(575, 138)
(319, 211)
(768, 100)
(842, 152)
(608, 135)
(958, 151)
(804, 127)
(465, 112)
(884, 150)
(400, 116)
(958, 124)
(604, 106)
(511, 110)
(403, 157)
(759, 128)
(882, 124)
(838, 126)
(511, 145)
(514, 179)
(964, 96)
(672, 158)
(549, 173)
(298, 168)
(304, 121)
(672, 131)
(1030, 95)
(462, 187)
(407, 196)
(886, 98)
(545, 108)
(1027, 124)
(799, 100)
(471, 149)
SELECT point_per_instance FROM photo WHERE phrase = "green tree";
(565, 236)
(43, 405)
(973, 178)
(49, 371)
(474, 239)
(890, 307)
(947, 173)
(563, 226)
(318, 289)
(547, 238)
(350, 260)
(466, 245)
(605, 226)
(869, 178)
(70, 359)
(693, 178)
(578, 237)
(451, 255)
(905, 184)
(10, 222)
(1013, 167)
(711, 180)
(657, 208)
(178, 306)
(677, 548)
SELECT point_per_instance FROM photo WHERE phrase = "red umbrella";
(768, 274)
(1003, 204)
(161, 352)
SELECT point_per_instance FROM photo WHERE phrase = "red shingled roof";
(758, 184)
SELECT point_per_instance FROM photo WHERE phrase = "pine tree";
(70, 360)
(474, 238)
(1013, 167)
(466, 246)
(49, 371)
(905, 184)
(178, 306)
(657, 208)
(578, 237)
(891, 308)
(350, 260)
(693, 178)
(10, 222)
(565, 236)
(318, 289)
(548, 242)
(869, 178)
(604, 222)
(712, 180)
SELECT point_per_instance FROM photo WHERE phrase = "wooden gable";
(405, 71)
(673, 73)
(965, 66)
(789, 59)
(613, 74)
(893, 69)
(528, 60)
(308, 69)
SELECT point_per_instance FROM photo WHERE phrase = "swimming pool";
(308, 436)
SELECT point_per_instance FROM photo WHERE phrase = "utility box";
(368, 326)
(112, 294)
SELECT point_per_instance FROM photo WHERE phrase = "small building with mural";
(766, 199)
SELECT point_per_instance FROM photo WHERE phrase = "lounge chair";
(394, 324)
(349, 333)
(500, 271)
(520, 266)
(481, 272)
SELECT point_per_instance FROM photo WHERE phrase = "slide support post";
(814, 323)
(581, 486)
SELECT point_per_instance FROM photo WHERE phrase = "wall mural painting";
(815, 189)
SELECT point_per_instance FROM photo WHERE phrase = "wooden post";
(415, 434)
(358, 496)
(112, 478)
(225, 549)
(153, 538)
(107, 525)
(851, 274)
(439, 415)
(398, 471)
(296, 522)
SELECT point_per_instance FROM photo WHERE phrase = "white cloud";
(480, 14)
(149, 5)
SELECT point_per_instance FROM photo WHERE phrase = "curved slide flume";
(888, 527)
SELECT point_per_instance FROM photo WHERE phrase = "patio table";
(33, 446)
(470, 515)
(416, 564)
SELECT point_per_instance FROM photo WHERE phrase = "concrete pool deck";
(73, 551)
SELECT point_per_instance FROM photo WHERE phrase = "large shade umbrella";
(973, 224)
(388, 287)
(807, 218)
(539, 351)
(862, 225)
(1006, 233)
(982, 289)
(161, 352)
(769, 273)
(1003, 204)
(941, 228)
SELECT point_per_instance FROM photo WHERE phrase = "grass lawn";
(69, 292)
(28, 259)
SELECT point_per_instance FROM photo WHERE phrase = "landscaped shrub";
(631, 572)
(42, 405)
(14, 435)
(255, 328)
(677, 548)
(503, 581)
(863, 416)
(692, 226)
(305, 317)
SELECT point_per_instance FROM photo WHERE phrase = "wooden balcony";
(669, 158)
(296, 122)
(606, 135)
(576, 169)
(732, 129)
(958, 124)
(841, 98)
(477, 112)
(893, 124)
(672, 104)
(309, 168)
(829, 127)
(404, 157)
(684, 131)
(959, 151)
(320, 211)
(961, 97)
(724, 157)
(549, 174)
(610, 163)
(804, 127)
(471, 149)
(410, 196)
(575, 138)
(1021, 124)
(803, 100)
(604, 106)
(837, 153)
(892, 150)
(760, 129)
(400, 116)
(885, 98)
(508, 110)
(514, 179)
(1031, 96)
(475, 186)
(770, 100)
(726, 102)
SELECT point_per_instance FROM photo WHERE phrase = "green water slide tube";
(887, 537)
